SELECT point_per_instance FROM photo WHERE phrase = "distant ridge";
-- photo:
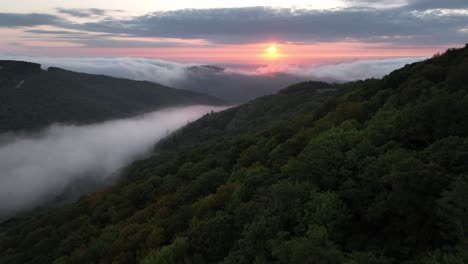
(32, 98)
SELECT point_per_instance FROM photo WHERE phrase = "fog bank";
(231, 85)
(38, 168)
(356, 70)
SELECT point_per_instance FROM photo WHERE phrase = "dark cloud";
(103, 42)
(87, 12)
(410, 24)
(435, 4)
(411, 4)
(50, 32)
(28, 20)
(259, 24)
(99, 40)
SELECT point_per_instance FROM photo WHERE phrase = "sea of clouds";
(231, 85)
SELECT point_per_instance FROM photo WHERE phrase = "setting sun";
(272, 52)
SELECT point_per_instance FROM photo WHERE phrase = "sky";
(234, 32)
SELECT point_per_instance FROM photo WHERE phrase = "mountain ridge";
(32, 98)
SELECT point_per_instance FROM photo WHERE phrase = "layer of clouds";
(405, 24)
(436, 4)
(233, 86)
(409, 4)
(357, 70)
(28, 20)
(86, 12)
(257, 24)
(39, 168)
(97, 40)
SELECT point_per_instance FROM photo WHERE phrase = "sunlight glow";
(272, 52)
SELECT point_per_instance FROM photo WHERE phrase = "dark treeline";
(376, 173)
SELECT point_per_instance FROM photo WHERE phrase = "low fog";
(352, 71)
(231, 85)
(63, 158)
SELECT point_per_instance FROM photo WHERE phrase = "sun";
(272, 52)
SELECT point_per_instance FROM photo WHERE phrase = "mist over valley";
(38, 168)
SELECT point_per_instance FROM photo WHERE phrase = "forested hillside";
(251, 117)
(377, 173)
(31, 98)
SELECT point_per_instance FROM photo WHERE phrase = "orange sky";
(254, 53)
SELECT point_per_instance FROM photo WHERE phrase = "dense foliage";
(31, 98)
(256, 115)
(377, 175)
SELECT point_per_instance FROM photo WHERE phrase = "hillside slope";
(31, 98)
(254, 116)
(377, 175)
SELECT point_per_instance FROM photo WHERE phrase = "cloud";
(409, 4)
(39, 168)
(82, 13)
(437, 4)
(376, 3)
(50, 32)
(357, 70)
(28, 20)
(402, 24)
(97, 40)
(258, 24)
